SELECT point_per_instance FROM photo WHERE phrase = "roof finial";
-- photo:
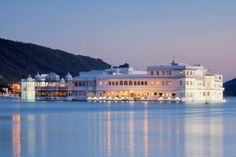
(174, 62)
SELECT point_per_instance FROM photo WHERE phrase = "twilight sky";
(140, 32)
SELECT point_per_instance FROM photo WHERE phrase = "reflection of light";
(145, 129)
(131, 134)
(16, 143)
(204, 136)
(31, 132)
(109, 134)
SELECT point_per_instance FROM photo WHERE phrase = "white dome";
(52, 77)
(29, 78)
(38, 77)
(62, 80)
(68, 77)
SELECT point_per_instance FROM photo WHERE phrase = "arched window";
(117, 83)
(139, 83)
(126, 83)
(145, 83)
(130, 83)
(142, 83)
(109, 83)
(151, 72)
(121, 82)
(135, 83)
(113, 83)
(76, 84)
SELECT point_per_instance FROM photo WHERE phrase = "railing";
(53, 88)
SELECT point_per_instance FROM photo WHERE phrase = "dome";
(174, 62)
(52, 77)
(29, 78)
(68, 77)
(62, 80)
(38, 77)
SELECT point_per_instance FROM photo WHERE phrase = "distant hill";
(230, 88)
(19, 59)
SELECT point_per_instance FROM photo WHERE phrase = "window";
(135, 83)
(139, 83)
(116, 83)
(180, 82)
(169, 72)
(151, 72)
(157, 72)
(113, 83)
(145, 83)
(109, 83)
(126, 83)
(121, 82)
(76, 84)
(142, 83)
(130, 83)
(204, 93)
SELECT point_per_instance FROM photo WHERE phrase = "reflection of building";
(175, 82)
(16, 134)
(204, 137)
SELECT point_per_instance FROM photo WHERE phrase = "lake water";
(117, 129)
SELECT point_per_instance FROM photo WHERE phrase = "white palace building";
(174, 82)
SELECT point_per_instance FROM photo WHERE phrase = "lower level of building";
(194, 96)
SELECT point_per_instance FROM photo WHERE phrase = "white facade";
(174, 82)
(28, 89)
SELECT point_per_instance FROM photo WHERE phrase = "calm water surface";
(95, 129)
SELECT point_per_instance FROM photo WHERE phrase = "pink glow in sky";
(135, 31)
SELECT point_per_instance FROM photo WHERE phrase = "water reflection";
(16, 135)
(204, 136)
(146, 132)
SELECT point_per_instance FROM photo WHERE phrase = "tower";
(28, 89)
